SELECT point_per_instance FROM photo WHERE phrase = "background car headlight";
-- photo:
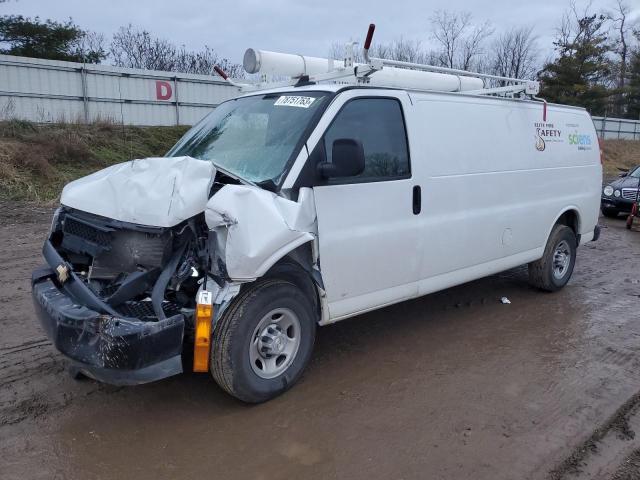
(616, 193)
(608, 190)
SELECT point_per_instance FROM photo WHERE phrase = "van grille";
(144, 310)
(629, 193)
(86, 232)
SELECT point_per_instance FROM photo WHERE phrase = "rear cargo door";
(369, 253)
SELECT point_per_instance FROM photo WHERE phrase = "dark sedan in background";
(619, 195)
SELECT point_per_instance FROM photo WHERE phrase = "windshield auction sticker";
(294, 101)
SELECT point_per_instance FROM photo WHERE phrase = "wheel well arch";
(569, 216)
(297, 267)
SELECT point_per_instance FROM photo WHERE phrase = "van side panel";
(495, 177)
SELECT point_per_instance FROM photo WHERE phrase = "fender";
(255, 228)
(566, 209)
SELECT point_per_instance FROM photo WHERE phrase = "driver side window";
(377, 123)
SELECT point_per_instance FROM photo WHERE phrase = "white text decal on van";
(294, 101)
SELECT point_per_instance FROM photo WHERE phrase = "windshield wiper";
(268, 185)
(235, 176)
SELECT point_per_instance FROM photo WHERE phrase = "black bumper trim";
(74, 286)
(165, 368)
(621, 204)
(109, 348)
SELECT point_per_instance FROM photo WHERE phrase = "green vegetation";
(48, 39)
(619, 154)
(579, 74)
(36, 161)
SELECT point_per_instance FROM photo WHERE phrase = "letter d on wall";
(163, 90)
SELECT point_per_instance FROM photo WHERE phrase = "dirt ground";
(454, 385)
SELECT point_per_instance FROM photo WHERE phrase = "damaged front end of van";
(133, 248)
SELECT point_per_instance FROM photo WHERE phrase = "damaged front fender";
(254, 228)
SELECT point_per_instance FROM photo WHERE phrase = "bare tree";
(472, 45)
(621, 43)
(203, 61)
(135, 48)
(461, 41)
(620, 48)
(514, 54)
(448, 29)
(400, 49)
(90, 45)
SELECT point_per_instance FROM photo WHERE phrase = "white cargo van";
(298, 206)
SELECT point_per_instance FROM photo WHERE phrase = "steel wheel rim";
(275, 343)
(561, 259)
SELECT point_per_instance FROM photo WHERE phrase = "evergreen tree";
(48, 39)
(577, 76)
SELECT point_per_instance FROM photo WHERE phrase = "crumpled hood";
(160, 192)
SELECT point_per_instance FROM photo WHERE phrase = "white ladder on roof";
(361, 74)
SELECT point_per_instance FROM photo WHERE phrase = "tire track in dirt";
(570, 376)
(609, 451)
(30, 368)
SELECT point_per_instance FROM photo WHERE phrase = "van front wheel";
(554, 269)
(263, 342)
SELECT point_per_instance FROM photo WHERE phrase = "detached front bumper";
(114, 350)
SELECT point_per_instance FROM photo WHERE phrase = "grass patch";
(620, 154)
(36, 161)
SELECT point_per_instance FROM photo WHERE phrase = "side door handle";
(417, 199)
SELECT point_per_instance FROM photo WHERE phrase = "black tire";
(75, 373)
(541, 272)
(233, 333)
(610, 212)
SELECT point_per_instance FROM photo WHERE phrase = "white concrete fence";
(617, 128)
(51, 91)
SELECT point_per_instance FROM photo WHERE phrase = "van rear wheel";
(554, 269)
(263, 342)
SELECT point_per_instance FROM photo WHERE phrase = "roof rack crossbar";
(452, 71)
(365, 73)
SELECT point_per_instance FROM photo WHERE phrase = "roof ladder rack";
(377, 72)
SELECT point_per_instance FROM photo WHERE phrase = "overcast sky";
(295, 26)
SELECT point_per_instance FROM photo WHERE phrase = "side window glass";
(378, 124)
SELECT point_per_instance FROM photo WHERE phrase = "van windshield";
(253, 137)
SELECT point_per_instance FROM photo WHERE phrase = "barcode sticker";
(294, 101)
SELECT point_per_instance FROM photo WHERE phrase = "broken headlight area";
(141, 272)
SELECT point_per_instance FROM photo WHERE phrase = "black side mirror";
(347, 155)
(623, 174)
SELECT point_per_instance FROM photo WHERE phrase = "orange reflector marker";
(202, 344)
